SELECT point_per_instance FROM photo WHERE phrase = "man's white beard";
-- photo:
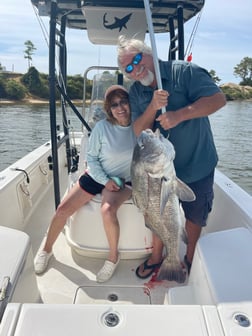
(148, 79)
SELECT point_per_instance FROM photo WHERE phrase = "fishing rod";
(153, 46)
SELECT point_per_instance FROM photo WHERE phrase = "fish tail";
(171, 271)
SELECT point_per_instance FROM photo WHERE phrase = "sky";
(222, 40)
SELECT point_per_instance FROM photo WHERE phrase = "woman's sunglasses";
(136, 60)
(123, 101)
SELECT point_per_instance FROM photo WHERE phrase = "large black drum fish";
(156, 191)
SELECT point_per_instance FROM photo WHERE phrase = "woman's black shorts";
(90, 185)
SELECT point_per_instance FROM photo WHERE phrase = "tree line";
(36, 84)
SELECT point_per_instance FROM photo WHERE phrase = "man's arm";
(202, 107)
(146, 120)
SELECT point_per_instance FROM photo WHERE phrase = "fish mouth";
(144, 137)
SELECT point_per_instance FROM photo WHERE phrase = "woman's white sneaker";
(41, 261)
(107, 270)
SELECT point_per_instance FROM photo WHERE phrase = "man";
(189, 95)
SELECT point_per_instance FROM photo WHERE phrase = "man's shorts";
(90, 185)
(198, 210)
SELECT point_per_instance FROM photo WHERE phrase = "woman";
(109, 157)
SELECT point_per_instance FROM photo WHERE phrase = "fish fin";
(140, 204)
(171, 271)
(165, 193)
(184, 192)
(134, 199)
(184, 236)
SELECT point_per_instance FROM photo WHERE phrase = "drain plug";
(111, 319)
(112, 297)
(242, 320)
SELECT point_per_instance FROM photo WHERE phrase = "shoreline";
(32, 101)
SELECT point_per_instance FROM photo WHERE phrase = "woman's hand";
(112, 186)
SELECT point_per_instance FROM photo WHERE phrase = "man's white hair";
(130, 46)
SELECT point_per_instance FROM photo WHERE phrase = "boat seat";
(86, 235)
(221, 271)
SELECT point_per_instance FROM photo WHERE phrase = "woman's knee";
(108, 209)
(63, 211)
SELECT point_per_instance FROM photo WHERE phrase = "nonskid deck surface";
(71, 278)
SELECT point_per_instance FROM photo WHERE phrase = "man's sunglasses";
(123, 101)
(136, 60)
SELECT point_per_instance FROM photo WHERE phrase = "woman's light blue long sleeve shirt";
(110, 151)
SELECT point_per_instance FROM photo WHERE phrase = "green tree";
(35, 83)
(29, 51)
(214, 76)
(2, 87)
(15, 90)
(244, 71)
(75, 87)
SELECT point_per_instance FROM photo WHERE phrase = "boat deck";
(71, 278)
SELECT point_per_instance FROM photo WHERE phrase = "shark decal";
(118, 23)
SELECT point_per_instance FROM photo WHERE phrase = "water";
(25, 127)
(233, 138)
